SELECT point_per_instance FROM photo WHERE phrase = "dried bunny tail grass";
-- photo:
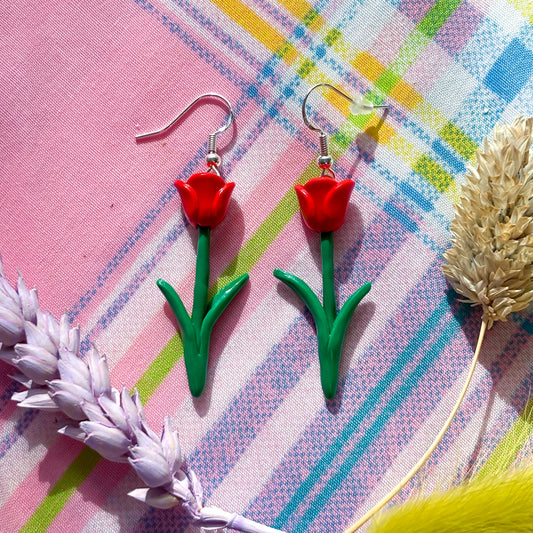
(497, 503)
(490, 262)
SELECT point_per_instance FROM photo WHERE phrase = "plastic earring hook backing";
(212, 156)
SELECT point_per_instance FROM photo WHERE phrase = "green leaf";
(308, 297)
(340, 325)
(218, 304)
(179, 310)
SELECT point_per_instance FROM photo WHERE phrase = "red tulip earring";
(323, 202)
(205, 197)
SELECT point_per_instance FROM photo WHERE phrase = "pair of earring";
(323, 200)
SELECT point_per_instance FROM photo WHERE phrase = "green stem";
(328, 283)
(201, 284)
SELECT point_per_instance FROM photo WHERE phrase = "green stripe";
(62, 491)
(506, 451)
(410, 50)
(413, 46)
(433, 173)
(387, 81)
(332, 36)
(265, 235)
(420, 37)
(310, 17)
(85, 462)
(437, 16)
(458, 140)
(306, 68)
(160, 367)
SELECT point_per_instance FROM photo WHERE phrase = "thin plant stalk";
(328, 282)
(366, 517)
(201, 283)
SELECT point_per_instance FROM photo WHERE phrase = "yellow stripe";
(406, 95)
(525, 7)
(431, 116)
(305, 13)
(368, 66)
(258, 28)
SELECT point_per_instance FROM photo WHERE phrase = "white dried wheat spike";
(490, 262)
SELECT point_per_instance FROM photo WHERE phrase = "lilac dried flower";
(46, 354)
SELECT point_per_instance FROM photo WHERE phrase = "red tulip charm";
(205, 198)
(324, 202)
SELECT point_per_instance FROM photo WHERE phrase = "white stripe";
(25, 454)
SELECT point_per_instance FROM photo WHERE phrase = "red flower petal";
(220, 204)
(206, 183)
(189, 199)
(206, 186)
(319, 187)
(336, 202)
(307, 205)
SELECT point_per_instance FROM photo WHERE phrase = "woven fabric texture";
(93, 219)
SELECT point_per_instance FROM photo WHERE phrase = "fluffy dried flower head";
(490, 262)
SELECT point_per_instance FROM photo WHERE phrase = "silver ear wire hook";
(359, 105)
(212, 157)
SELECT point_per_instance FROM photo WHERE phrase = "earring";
(205, 198)
(323, 202)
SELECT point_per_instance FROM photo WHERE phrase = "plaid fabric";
(93, 220)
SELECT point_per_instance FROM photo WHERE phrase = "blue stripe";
(217, 31)
(22, 424)
(130, 242)
(395, 212)
(445, 154)
(369, 403)
(12, 387)
(287, 93)
(267, 74)
(123, 298)
(416, 197)
(105, 320)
